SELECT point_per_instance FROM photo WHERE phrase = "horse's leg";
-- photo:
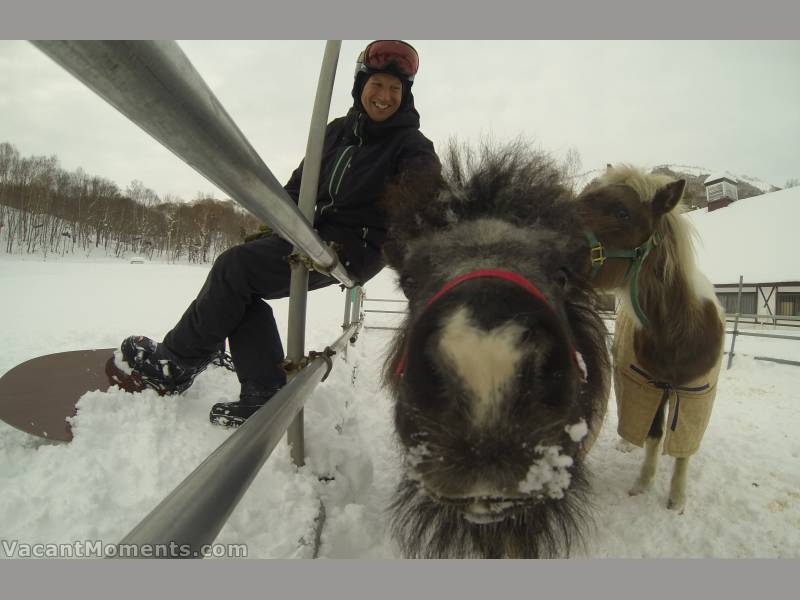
(645, 480)
(677, 488)
(651, 447)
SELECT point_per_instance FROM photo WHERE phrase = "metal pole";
(357, 303)
(298, 287)
(154, 84)
(357, 316)
(736, 323)
(197, 509)
(348, 303)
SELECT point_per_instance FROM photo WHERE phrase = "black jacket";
(359, 157)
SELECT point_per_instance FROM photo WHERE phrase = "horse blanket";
(639, 396)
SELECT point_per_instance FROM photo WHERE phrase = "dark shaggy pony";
(500, 371)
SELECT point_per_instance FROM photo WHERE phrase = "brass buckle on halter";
(598, 255)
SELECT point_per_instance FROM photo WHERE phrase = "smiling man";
(382, 96)
(375, 142)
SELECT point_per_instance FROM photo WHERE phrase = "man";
(375, 142)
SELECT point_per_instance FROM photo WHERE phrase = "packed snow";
(753, 237)
(130, 450)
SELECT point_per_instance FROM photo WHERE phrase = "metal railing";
(193, 514)
(309, 184)
(383, 311)
(154, 84)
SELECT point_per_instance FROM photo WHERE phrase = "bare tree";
(571, 167)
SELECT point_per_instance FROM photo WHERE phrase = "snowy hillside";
(129, 450)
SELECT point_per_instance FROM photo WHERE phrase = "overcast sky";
(723, 105)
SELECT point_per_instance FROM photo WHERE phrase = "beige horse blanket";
(638, 399)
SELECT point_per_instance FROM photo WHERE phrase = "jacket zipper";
(332, 192)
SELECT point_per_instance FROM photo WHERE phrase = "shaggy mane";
(513, 183)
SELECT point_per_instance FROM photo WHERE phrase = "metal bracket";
(291, 366)
(299, 258)
(598, 255)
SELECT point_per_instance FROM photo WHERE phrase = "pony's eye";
(622, 214)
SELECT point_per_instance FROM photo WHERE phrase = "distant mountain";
(695, 178)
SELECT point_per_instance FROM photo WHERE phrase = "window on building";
(729, 190)
(714, 192)
(729, 302)
(788, 304)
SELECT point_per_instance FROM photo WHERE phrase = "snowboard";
(39, 395)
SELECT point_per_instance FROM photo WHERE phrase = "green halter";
(599, 255)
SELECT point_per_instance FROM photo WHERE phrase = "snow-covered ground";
(129, 451)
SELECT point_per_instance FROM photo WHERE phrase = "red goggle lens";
(379, 54)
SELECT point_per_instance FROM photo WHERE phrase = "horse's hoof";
(639, 488)
(677, 505)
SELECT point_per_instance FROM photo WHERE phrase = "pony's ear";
(667, 197)
(609, 167)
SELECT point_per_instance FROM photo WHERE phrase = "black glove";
(263, 231)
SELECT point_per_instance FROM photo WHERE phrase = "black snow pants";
(230, 305)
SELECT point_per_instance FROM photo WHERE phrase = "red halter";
(494, 273)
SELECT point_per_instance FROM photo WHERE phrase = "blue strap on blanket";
(668, 387)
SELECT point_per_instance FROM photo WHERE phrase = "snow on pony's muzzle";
(515, 278)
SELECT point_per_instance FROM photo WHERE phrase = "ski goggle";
(381, 53)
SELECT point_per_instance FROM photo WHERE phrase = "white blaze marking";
(485, 360)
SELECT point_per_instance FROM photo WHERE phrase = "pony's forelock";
(644, 184)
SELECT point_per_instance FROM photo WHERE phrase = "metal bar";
(357, 315)
(348, 303)
(298, 285)
(736, 325)
(357, 304)
(778, 360)
(378, 327)
(766, 298)
(393, 312)
(731, 316)
(765, 335)
(154, 84)
(196, 510)
(295, 346)
(384, 300)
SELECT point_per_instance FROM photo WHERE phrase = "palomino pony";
(500, 372)
(669, 333)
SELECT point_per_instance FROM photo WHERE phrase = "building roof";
(714, 177)
(754, 237)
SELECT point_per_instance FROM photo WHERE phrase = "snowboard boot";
(142, 363)
(234, 414)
